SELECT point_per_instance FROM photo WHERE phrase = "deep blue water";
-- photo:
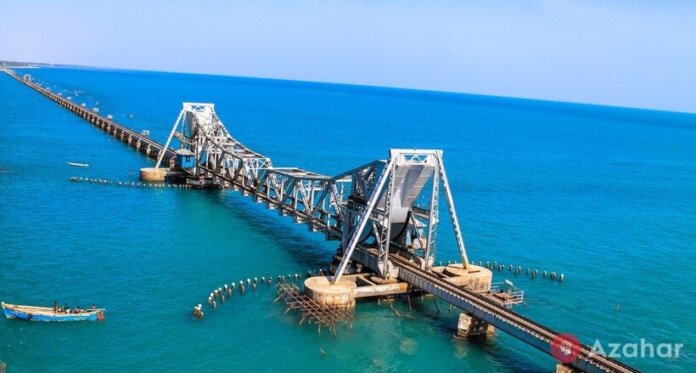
(606, 196)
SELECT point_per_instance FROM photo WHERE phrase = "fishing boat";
(74, 164)
(32, 313)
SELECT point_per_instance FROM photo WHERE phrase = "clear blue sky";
(619, 52)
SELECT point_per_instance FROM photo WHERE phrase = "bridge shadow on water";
(308, 250)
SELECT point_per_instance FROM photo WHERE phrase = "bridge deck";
(502, 318)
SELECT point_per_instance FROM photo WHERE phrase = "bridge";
(140, 142)
(385, 213)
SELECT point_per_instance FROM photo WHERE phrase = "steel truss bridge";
(385, 213)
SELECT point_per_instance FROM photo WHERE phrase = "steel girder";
(377, 205)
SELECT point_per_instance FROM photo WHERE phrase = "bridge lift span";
(388, 205)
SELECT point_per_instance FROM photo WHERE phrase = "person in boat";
(56, 307)
(94, 307)
(66, 308)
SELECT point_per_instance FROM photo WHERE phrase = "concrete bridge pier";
(153, 174)
(469, 326)
(475, 278)
(322, 290)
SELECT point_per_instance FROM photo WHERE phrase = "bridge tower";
(394, 208)
(217, 156)
(381, 208)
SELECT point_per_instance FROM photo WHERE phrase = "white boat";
(78, 164)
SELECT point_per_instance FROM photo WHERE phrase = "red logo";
(565, 348)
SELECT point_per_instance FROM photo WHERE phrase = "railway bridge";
(384, 213)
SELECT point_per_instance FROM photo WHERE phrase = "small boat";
(74, 164)
(31, 313)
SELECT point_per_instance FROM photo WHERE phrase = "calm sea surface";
(606, 196)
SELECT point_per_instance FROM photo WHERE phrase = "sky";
(636, 53)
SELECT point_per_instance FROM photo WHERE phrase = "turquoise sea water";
(605, 195)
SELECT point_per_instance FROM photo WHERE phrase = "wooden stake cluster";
(313, 311)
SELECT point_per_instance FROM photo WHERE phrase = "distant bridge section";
(141, 143)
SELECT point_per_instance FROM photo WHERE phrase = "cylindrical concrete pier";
(474, 277)
(323, 291)
(153, 174)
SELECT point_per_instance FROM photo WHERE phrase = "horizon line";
(354, 85)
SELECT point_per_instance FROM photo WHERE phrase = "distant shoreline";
(21, 67)
(32, 65)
